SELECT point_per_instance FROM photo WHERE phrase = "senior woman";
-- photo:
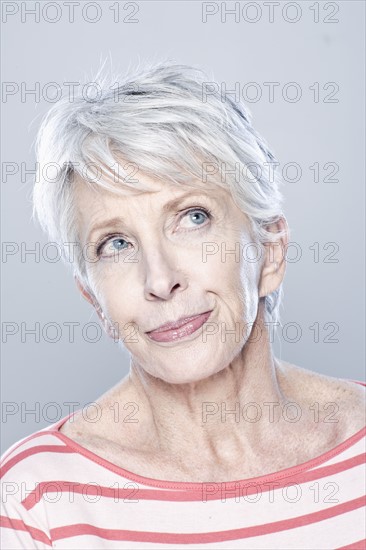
(168, 195)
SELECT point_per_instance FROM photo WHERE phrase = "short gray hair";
(168, 119)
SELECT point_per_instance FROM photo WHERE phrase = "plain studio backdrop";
(299, 66)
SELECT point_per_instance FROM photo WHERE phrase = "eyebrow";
(115, 222)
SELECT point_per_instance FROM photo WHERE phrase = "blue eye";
(199, 214)
(118, 240)
(205, 214)
(108, 240)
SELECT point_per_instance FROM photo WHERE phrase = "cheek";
(113, 294)
(234, 280)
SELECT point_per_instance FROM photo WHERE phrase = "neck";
(237, 410)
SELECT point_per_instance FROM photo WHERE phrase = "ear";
(274, 266)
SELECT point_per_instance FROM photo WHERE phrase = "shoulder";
(27, 459)
(340, 399)
(23, 468)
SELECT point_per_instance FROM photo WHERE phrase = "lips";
(176, 324)
(183, 329)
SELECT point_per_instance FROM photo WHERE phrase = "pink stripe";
(79, 529)
(19, 525)
(356, 381)
(21, 442)
(74, 487)
(47, 430)
(359, 545)
(32, 451)
(207, 491)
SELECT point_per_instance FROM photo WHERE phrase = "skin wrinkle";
(170, 384)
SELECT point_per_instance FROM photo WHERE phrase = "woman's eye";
(112, 246)
(197, 215)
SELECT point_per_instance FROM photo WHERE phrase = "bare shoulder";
(111, 437)
(75, 426)
(345, 398)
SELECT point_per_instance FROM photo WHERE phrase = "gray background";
(35, 374)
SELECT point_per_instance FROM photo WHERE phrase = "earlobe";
(271, 278)
(274, 266)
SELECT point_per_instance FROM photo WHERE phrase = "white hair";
(168, 119)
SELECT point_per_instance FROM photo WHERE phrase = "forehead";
(89, 198)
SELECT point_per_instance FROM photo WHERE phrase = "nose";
(162, 276)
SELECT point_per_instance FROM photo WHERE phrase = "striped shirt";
(58, 494)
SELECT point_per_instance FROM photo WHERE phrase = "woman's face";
(158, 262)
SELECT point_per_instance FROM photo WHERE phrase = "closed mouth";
(176, 324)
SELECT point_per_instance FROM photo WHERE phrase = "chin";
(185, 377)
